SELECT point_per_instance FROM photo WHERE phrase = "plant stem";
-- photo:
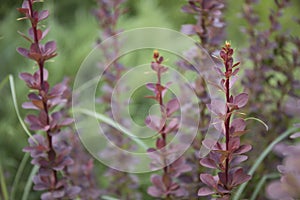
(42, 92)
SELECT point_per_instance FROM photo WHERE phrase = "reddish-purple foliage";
(164, 185)
(274, 53)
(107, 15)
(50, 154)
(210, 29)
(287, 188)
(210, 26)
(225, 157)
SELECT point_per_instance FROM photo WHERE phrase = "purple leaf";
(154, 122)
(237, 125)
(43, 15)
(243, 149)
(276, 191)
(172, 106)
(188, 29)
(222, 177)
(232, 81)
(160, 143)
(209, 163)
(234, 143)
(240, 177)
(73, 191)
(172, 126)
(154, 191)
(158, 188)
(29, 105)
(241, 100)
(205, 191)
(50, 47)
(235, 71)
(208, 180)
(45, 32)
(24, 52)
(209, 143)
(217, 107)
(238, 159)
(295, 135)
(151, 86)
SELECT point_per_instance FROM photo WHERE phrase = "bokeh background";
(75, 30)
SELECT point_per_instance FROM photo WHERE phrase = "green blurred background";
(75, 30)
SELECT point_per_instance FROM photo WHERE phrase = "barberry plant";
(50, 154)
(107, 15)
(165, 185)
(209, 28)
(226, 154)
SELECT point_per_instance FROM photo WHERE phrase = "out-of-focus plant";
(51, 155)
(271, 78)
(210, 31)
(287, 188)
(165, 185)
(226, 155)
(209, 26)
(81, 172)
(273, 57)
(107, 15)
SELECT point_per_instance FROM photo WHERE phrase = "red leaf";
(243, 149)
(234, 143)
(208, 180)
(160, 143)
(237, 125)
(241, 100)
(240, 177)
(238, 159)
(207, 162)
(205, 191)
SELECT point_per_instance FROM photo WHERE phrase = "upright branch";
(209, 26)
(48, 153)
(164, 186)
(226, 156)
(107, 15)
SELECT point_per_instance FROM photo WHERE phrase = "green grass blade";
(29, 183)
(3, 184)
(18, 175)
(261, 184)
(114, 124)
(259, 120)
(262, 157)
(14, 97)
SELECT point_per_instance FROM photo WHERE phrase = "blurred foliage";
(75, 30)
